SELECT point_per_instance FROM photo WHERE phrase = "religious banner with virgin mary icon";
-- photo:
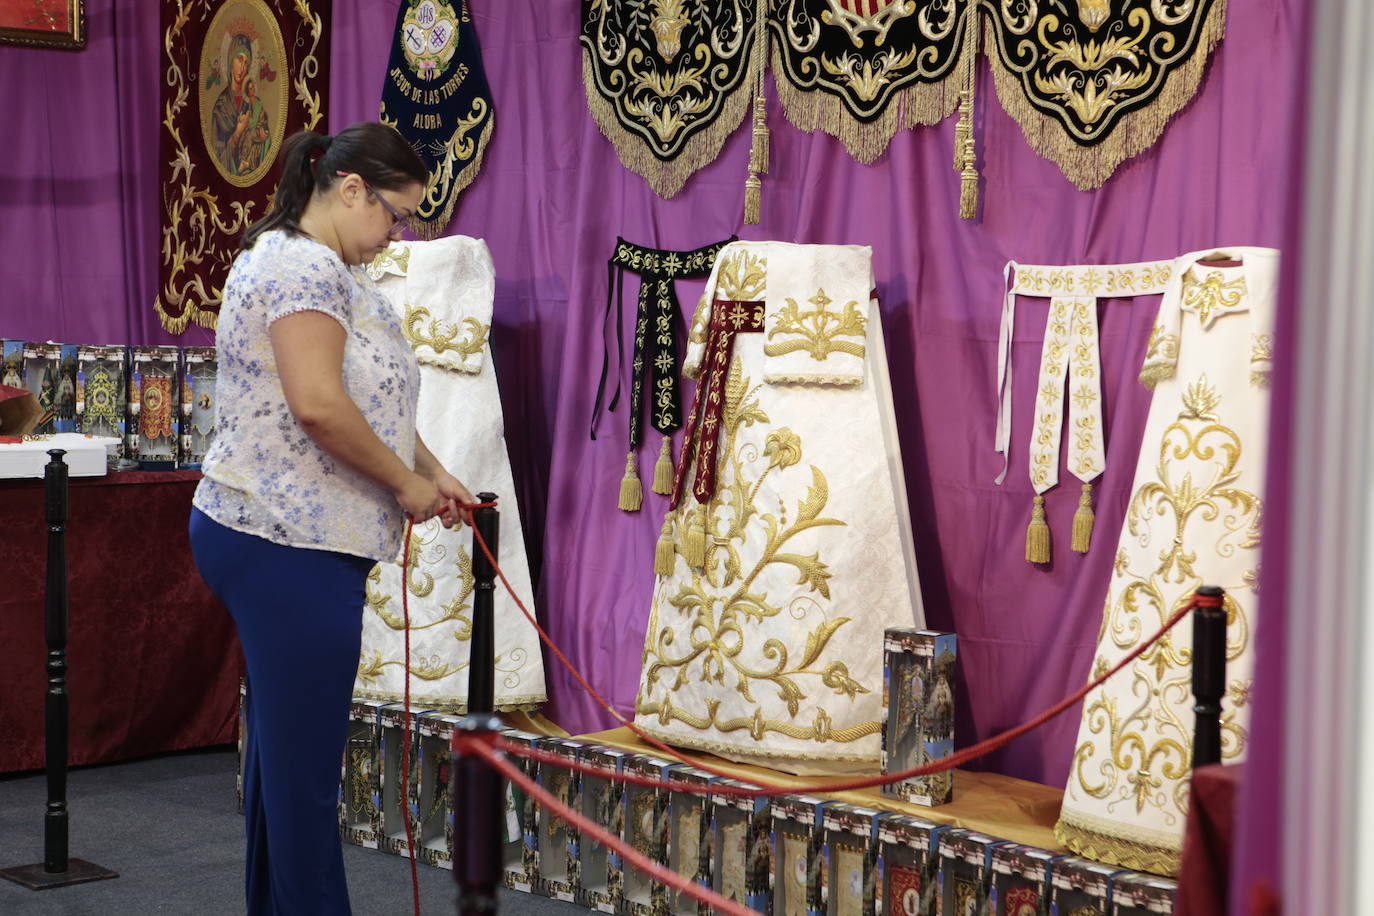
(239, 77)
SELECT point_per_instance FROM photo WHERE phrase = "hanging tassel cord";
(956, 759)
(965, 152)
(758, 147)
(1083, 520)
(631, 490)
(1038, 533)
(663, 468)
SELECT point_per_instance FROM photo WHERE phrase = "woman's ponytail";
(310, 162)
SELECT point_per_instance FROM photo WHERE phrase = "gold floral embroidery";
(442, 336)
(722, 599)
(1212, 296)
(1132, 751)
(817, 329)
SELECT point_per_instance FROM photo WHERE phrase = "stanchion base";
(37, 878)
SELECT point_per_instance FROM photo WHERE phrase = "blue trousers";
(299, 618)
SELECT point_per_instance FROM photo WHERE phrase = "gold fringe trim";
(1101, 847)
(454, 705)
(1083, 520)
(1089, 167)
(755, 725)
(663, 468)
(1151, 374)
(665, 553)
(433, 229)
(666, 178)
(631, 490)
(815, 109)
(1038, 534)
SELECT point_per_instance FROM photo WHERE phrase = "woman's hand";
(453, 495)
(420, 498)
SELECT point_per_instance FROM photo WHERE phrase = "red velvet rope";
(986, 746)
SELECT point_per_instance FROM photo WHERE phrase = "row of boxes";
(158, 401)
(793, 855)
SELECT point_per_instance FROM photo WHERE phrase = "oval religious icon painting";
(243, 91)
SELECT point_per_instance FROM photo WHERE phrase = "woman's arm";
(451, 490)
(309, 349)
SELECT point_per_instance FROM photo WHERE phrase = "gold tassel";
(631, 490)
(1038, 534)
(665, 556)
(968, 193)
(753, 191)
(758, 150)
(961, 129)
(694, 544)
(663, 468)
(1083, 520)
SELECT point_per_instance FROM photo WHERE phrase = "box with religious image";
(64, 407)
(741, 845)
(918, 711)
(200, 367)
(689, 837)
(12, 362)
(431, 807)
(965, 874)
(102, 391)
(1080, 887)
(849, 874)
(396, 743)
(154, 393)
(798, 838)
(1020, 880)
(646, 829)
(520, 828)
(42, 374)
(556, 846)
(360, 790)
(600, 871)
(1139, 894)
(907, 865)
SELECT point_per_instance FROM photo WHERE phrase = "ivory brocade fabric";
(770, 650)
(1193, 519)
(443, 291)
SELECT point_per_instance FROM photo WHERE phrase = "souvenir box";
(42, 374)
(360, 790)
(557, 848)
(102, 387)
(798, 838)
(918, 711)
(849, 874)
(1020, 881)
(689, 837)
(64, 406)
(741, 846)
(907, 865)
(518, 851)
(646, 829)
(1080, 887)
(1137, 894)
(395, 733)
(431, 806)
(600, 872)
(153, 416)
(965, 872)
(200, 366)
(12, 363)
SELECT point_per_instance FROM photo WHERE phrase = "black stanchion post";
(476, 791)
(1209, 676)
(57, 869)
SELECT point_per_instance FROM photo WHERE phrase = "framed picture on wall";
(43, 23)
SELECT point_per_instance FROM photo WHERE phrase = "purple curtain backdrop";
(80, 224)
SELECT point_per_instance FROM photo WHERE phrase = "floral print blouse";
(263, 474)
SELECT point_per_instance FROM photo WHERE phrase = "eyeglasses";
(399, 220)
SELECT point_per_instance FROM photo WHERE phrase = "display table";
(154, 662)
(1001, 806)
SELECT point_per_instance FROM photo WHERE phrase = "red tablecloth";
(154, 662)
(1205, 869)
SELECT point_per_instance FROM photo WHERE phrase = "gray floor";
(169, 826)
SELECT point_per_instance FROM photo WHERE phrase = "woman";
(314, 468)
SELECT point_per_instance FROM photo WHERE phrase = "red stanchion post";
(1209, 673)
(57, 869)
(476, 791)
